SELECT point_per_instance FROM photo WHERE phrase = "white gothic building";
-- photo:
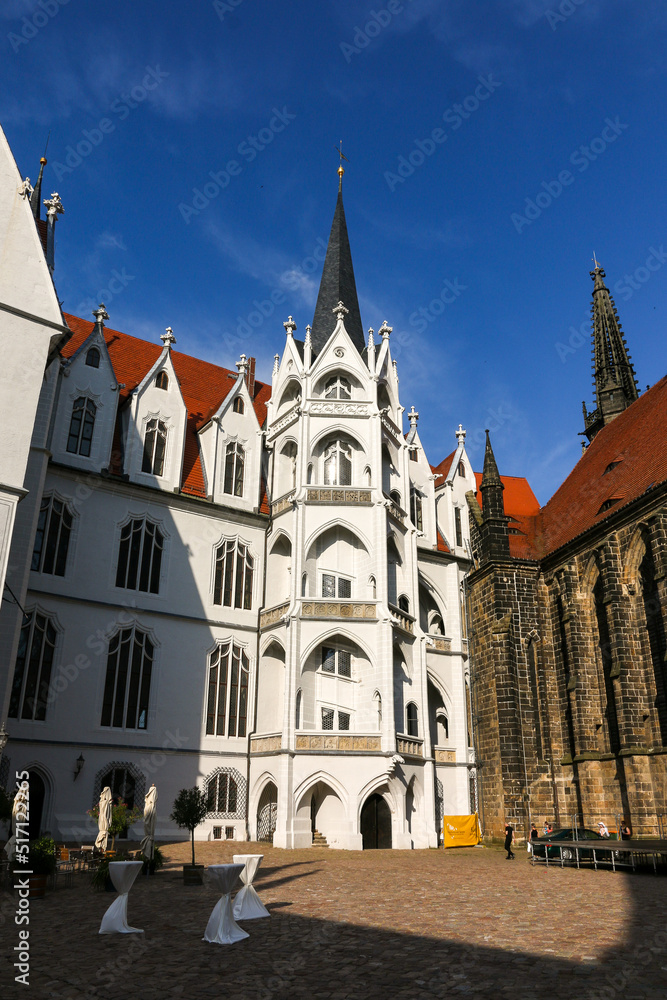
(256, 589)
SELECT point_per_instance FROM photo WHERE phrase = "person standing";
(509, 840)
(626, 830)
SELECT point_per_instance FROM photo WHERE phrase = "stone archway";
(37, 802)
(267, 812)
(376, 823)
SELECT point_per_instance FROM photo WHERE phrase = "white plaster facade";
(334, 617)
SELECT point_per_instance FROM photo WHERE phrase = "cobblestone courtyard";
(378, 924)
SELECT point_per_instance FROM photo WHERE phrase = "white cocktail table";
(221, 927)
(122, 874)
(248, 905)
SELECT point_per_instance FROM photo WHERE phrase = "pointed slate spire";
(337, 285)
(493, 530)
(613, 373)
(36, 196)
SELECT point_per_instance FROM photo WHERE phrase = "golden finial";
(341, 154)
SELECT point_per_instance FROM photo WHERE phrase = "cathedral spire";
(36, 196)
(614, 375)
(337, 285)
(493, 530)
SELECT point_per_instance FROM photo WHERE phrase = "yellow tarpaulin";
(461, 831)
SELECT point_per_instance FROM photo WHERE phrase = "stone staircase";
(319, 840)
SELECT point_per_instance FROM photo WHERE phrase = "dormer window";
(155, 444)
(612, 465)
(93, 358)
(338, 387)
(462, 470)
(239, 406)
(162, 381)
(608, 504)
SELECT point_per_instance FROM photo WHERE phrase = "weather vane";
(342, 156)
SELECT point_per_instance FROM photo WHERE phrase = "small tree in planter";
(42, 859)
(190, 809)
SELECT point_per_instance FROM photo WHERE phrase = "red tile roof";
(204, 386)
(624, 460)
(442, 545)
(442, 469)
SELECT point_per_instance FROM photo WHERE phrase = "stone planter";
(193, 874)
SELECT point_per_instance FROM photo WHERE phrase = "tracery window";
(81, 427)
(227, 705)
(32, 672)
(234, 467)
(128, 680)
(140, 556)
(54, 527)
(338, 387)
(232, 586)
(155, 445)
(338, 464)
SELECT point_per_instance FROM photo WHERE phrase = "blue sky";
(484, 106)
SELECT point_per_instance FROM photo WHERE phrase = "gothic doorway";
(376, 824)
(267, 813)
(37, 797)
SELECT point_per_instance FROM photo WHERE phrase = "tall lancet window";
(81, 427)
(234, 465)
(338, 464)
(155, 444)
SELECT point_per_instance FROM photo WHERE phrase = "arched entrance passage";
(267, 812)
(376, 824)
(37, 797)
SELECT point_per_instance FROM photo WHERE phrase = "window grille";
(140, 556)
(217, 833)
(227, 706)
(344, 721)
(155, 445)
(81, 427)
(52, 537)
(229, 833)
(333, 586)
(336, 661)
(234, 469)
(226, 791)
(32, 672)
(128, 680)
(327, 718)
(93, 358)
(232, 586)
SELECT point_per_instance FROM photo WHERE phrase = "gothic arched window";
(227, 706)
(239, 406)
(338, 387)
(128, 680)
(93, 358)
(140, 556)
(162, 380)
(81, 427)
(233, 575)
(234, 469)
(32, 672)
(412, 719)
(155, 445)
(338, 464)
(54, 527)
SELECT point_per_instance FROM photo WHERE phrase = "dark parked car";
(568, 853)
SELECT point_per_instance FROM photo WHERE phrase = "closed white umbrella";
(19, 815)
(104, 819)
(150, 817)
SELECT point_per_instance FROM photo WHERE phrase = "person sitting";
(602, 829)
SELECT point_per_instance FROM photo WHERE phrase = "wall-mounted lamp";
(78, 765)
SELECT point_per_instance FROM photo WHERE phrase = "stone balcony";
(273, 615)
(338, 742)
(338, 609)
(402, 620)
(282, 504)
(410, 746)
(338, 494)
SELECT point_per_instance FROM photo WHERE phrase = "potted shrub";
(190, 809)
(153, 864)
(42, 859)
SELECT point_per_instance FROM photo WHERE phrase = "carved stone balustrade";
(338, 609)
(403, 621)
(333, 407)
(272, 615)
(282, 504)
(347, 743)
(410, 746)
(329, 494)
(440, 644)
(287, 418)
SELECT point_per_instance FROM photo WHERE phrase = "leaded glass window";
(128, 680)
(234, 468)
(227, 705)
(81, 427)
(232, 586)
(338, 464)
(140, 556)
(54, 527)
(32, 672)
(155, 446)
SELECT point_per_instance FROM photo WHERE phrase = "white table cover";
(248, 905)
(122, 874)
(221, 927)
